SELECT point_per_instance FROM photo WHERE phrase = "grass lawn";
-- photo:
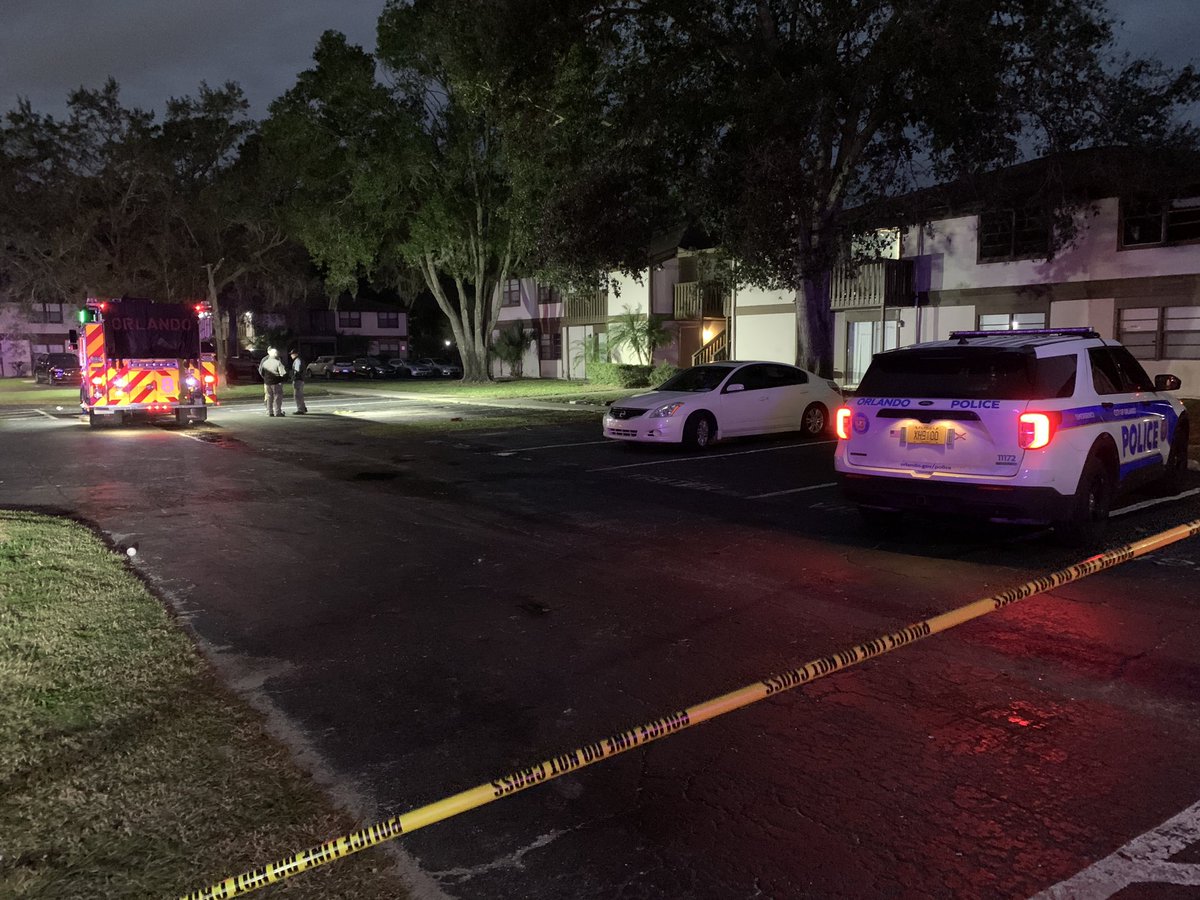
(127, 769)
(521, 388)
(23, 392)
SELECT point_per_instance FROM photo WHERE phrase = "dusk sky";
(156, 50)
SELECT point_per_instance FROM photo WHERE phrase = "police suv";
(1038, 426)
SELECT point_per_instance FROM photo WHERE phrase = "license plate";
(926, 434)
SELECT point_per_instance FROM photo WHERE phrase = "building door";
(862, 342)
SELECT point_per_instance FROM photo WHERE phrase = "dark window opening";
(1013, 233)
(512, 292)
(1146, 223)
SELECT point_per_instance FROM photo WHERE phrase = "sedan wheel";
(700, 431)
(814, 421)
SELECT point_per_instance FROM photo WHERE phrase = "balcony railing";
(883, 282)
(586, 307)
(701, 300)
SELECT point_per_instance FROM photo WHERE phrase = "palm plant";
(510, 345)
(641, 334)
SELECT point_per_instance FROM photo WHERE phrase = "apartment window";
(36, 349)
(46, 313)
(391, 349)
(389, 320)
(550, 345)
(320, 321)
(349, 318)
(1148, 223)
(1011, 321)
(1013, 234)
(512, 292)
(1160, 332)
(548, 294)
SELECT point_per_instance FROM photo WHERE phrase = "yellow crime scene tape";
(671, 723)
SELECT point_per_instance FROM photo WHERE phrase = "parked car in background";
(319, 367)
(244, 367)
(723, 400)
(442, 367)
(409, 369)
(56, 368)
(340, 367)
(369, 367)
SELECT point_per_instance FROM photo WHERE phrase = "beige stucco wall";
(1097, 314)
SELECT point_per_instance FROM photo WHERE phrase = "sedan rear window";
(968, 373)
(63, 359)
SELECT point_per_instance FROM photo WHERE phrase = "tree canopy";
(775, 123)
(110, 201)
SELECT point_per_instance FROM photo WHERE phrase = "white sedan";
(725, 399)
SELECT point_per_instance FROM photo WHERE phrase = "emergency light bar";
(1083, 331)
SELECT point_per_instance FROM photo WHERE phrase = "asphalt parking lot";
(424, 595)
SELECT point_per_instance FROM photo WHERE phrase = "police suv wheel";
(1093, 501)
(1177, 460)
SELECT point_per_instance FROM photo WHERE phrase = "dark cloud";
(157, 49)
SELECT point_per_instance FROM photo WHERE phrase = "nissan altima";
(725, 399)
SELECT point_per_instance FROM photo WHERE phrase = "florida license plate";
(926, 434)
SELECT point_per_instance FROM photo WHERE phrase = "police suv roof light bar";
(1082, 331)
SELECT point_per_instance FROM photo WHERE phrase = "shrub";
(633, 376)
(662, 372)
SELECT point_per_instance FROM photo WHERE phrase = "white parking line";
(1144, 860)
(687, 459)
(799, 490)
(1146, 504)
(546, 447)
(46, 414)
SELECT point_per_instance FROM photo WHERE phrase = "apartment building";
(28, 331)
(1132, 272)
(355, 328)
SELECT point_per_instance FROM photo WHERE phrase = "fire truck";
(142, 359)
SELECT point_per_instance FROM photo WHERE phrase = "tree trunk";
(220, 323)
(814, 324)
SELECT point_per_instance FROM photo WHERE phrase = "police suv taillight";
(841, 420)
(1035, 430)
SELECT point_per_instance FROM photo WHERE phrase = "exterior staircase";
(716, 349)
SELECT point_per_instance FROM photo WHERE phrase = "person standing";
(274, 374)
(298, 366)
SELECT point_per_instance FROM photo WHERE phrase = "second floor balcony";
(701, 300)
(585, 307)
(881, 282)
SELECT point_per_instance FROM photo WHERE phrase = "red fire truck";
(143, 359)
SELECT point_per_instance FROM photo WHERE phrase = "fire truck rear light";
(1035, 430)
(97, 380)
(842, 423)
(209, 379)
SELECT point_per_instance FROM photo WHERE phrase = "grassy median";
(126, 769)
